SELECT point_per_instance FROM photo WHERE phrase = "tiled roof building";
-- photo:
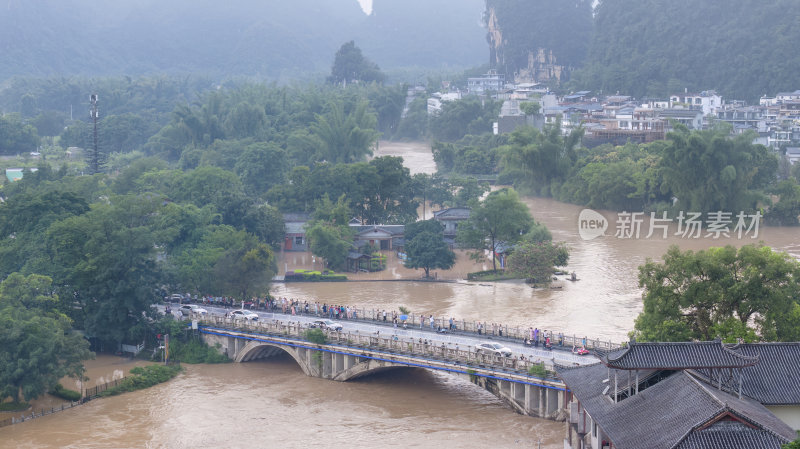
(701, 395)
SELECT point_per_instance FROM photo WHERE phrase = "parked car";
(326, 324)
(175, 297)
(244, 314)
(189, 309)
(493, 349)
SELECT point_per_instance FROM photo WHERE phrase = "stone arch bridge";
(347, 356)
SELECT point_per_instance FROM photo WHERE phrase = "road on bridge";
(560, 355)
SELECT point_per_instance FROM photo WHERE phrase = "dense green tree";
(534, 160)
(671, 54)
(537, 262)
(426, 248)
(16, 137)
(500, 217)
(428, 251)
(337, 213)
(786, 212)
(37, 345)
(330, 242)
(350, 66)
(104, 263)
(433, 189)
(246, 269)
(469, 115)
(392, 201)
(695, 295)
(266, 223)
(341, 137)
(709, 171)
(467, 190)
(128, 180)
(538, 234)
(261, 166)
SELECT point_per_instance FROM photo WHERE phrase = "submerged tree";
(537, 261)
(426, 247)
(501, 217)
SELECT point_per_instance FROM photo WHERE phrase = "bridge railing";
(510, 333)
(449, 352)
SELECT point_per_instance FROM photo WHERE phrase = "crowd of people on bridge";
(533, 337)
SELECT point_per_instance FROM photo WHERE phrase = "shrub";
(65, 393)
(196, 351)
(144, 377)
(316, 336)
(313, 276)
(13, 406)
(538, 370)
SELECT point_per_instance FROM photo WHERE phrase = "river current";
(272, 404)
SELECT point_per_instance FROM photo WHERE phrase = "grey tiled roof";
(775, 379)
(453, 213)
(730, 434)
(704, 354)
(665, 414)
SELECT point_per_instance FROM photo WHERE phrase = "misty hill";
(742, 49)
(272, 39)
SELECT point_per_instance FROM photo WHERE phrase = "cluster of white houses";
(618, 119)
(695, 395)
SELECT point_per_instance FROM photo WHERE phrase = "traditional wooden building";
(696, 395)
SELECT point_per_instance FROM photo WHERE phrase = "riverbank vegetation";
(698, 171)
(142, 377)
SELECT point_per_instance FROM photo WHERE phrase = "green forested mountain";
(270, 38)
(742, 49)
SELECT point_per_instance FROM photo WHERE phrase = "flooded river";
(272, 404)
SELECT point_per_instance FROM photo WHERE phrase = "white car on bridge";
(326, 324)
(244, 314)
(493, 349)
(188, 309)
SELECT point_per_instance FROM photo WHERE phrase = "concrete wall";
(790, 414)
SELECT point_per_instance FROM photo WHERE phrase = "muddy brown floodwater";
(272, 404)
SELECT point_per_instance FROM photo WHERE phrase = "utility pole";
(94, 161)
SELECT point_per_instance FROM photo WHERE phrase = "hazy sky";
(366, 5)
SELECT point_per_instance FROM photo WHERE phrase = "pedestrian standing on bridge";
(384, 315)
(432, 322)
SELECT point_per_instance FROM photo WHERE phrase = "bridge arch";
(367, 367)
(260, 350)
